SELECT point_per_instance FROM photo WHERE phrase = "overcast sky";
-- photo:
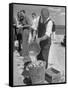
(57, 13)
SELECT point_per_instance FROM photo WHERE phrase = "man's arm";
(43, 38)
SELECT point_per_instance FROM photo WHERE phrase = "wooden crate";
(52, 75)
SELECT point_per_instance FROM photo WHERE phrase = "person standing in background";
(63, 43)
(34, 25)
(22, 20)
(35, 20)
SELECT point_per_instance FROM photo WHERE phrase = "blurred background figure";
(14, 29)
(16, 44)
(22, 20)
(35, 20)
(63, 43)
(34, 26)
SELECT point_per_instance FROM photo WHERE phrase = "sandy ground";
(56, 59)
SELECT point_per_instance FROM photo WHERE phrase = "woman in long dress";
(52, 52)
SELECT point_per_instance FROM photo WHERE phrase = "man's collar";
(46, 20)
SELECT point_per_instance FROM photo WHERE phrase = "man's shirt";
(49, 28)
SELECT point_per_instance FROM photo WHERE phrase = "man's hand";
(41, 39)
(19, 26)
(38, 40)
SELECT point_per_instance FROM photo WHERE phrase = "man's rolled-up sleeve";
(49, 28)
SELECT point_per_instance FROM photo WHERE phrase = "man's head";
(33, 15)
(44, 14)
(21, 14)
